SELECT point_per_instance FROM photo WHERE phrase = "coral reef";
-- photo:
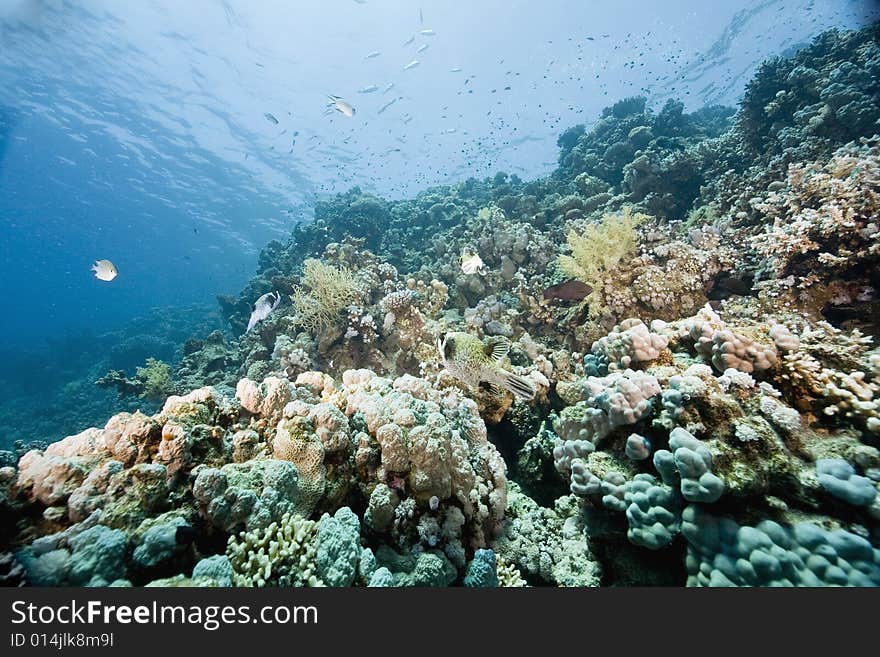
(707, 407)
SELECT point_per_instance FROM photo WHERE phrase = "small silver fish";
(412, 64)
(373, 54)
(341, 106)
(427, 32)
(263, 306)
(388, 88)
(370, 88)
(410, 40)
(387, 105)
(456, 69)
(104, 270)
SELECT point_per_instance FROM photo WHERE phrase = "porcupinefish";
(471, 263)
(472, 361)
(104, 270)
(262, 307)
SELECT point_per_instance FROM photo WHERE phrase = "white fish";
(472, 263)
(263, 306)
(456, 69)
(373, 54)
(422, 48)
(341, 106)
(412, 64)
(410, 40)
(105, 270)
(388, 88)
(370, 88)
(428, 32)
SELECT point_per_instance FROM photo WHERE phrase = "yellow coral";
(598, 249)
(330, 291)
(155, 378)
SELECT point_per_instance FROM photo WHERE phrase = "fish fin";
(497, 347)
(519, 385)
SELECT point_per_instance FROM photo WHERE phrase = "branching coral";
(156, 379)
(598, 249)
(825, 226)
(326, 291)
(152, 381)
(282, 554)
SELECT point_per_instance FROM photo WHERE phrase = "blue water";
(137, 131)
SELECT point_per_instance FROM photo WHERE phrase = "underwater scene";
(388, 293)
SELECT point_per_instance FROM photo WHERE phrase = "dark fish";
(739, 284)
(572, 290)
(270, 118)
(185, 535)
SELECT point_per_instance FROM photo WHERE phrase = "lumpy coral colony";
(708, 415)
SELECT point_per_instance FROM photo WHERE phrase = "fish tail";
(519, 385)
